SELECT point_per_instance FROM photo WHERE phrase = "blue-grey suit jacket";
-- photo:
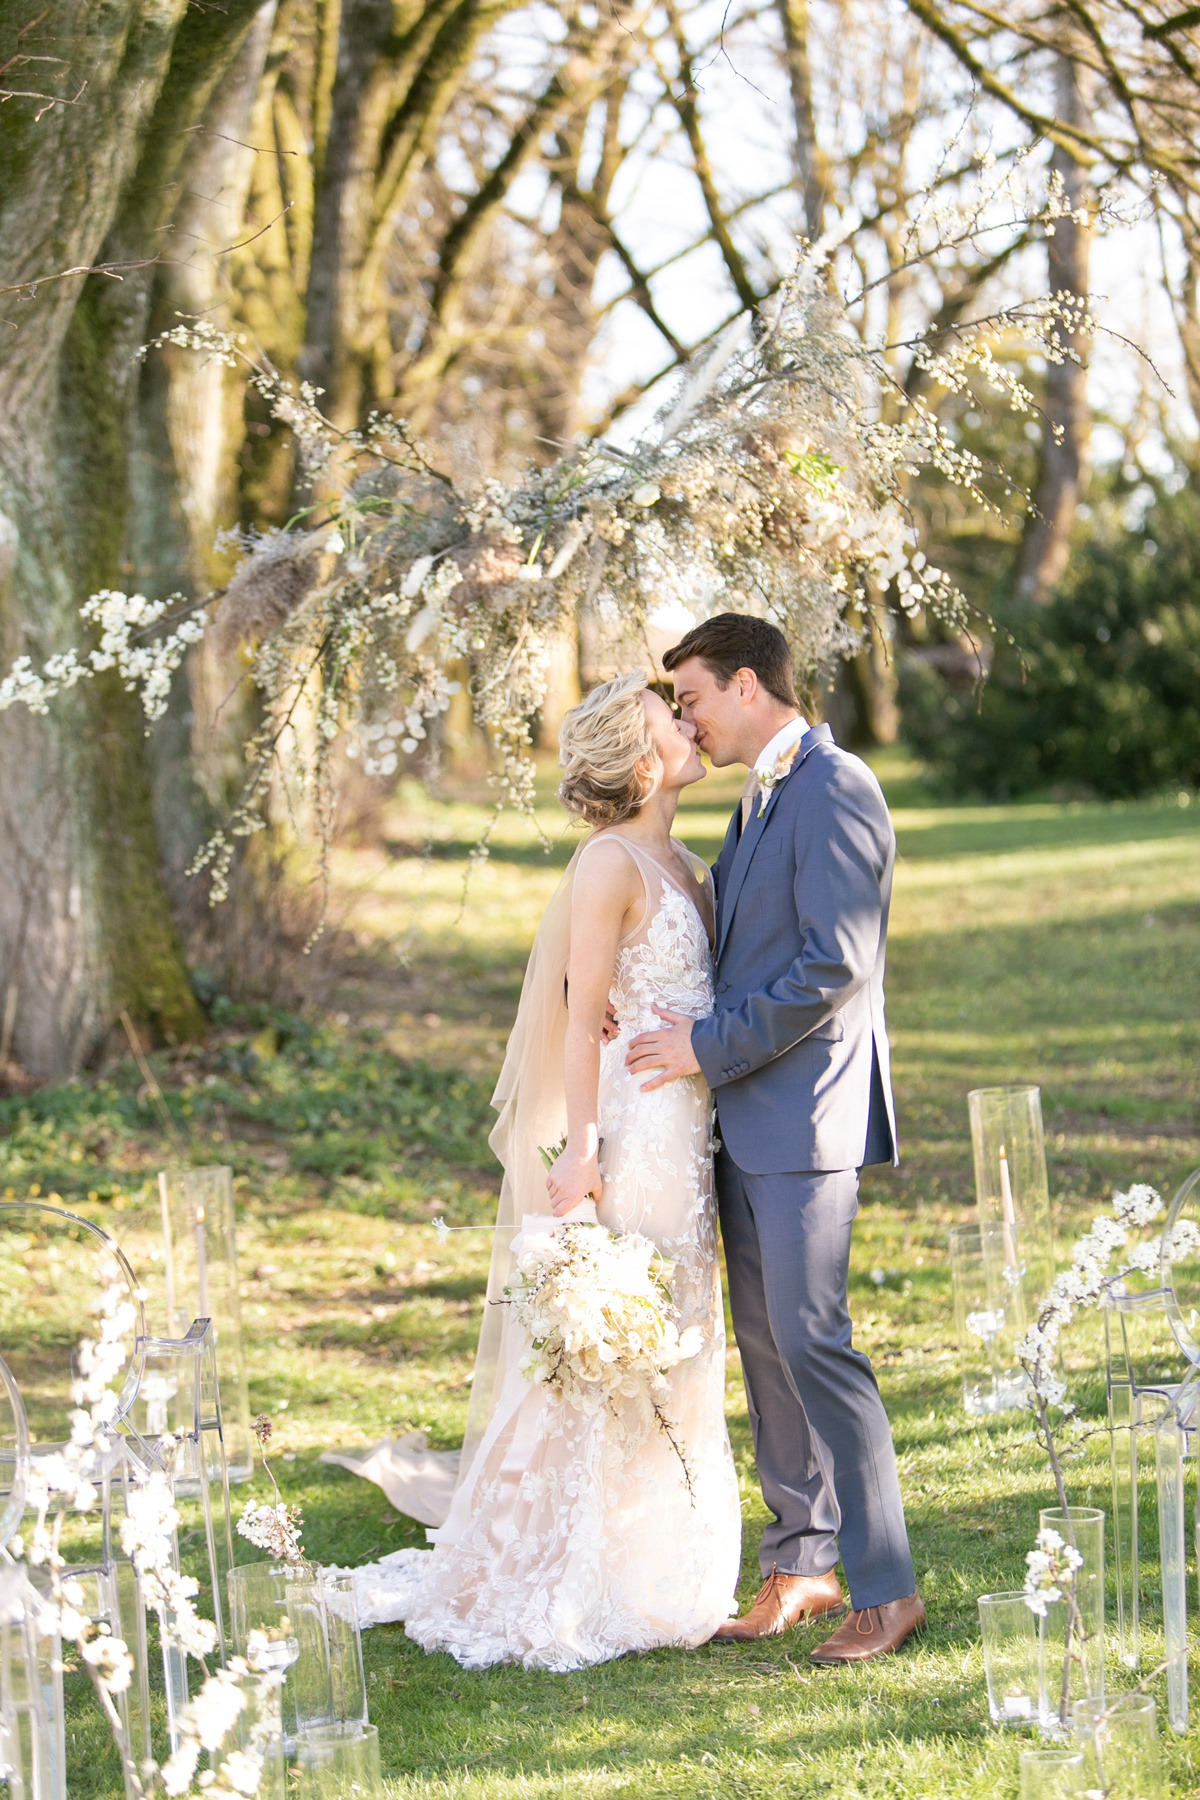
(796, 1051)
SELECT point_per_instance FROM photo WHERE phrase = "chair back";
(55, 1270)
(1181, 1267)
(14, 1454)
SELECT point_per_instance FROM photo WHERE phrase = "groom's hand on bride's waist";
(665, 1054)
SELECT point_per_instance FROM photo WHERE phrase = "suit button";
(722, 987)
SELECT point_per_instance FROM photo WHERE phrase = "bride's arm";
(607, 889)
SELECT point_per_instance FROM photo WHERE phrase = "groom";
(797, 1056)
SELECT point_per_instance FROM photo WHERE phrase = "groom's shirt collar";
(783, 741)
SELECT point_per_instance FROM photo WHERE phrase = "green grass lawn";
(1032, 943)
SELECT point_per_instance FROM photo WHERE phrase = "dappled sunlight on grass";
(1029, 943)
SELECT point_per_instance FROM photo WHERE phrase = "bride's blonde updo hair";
(610, 764)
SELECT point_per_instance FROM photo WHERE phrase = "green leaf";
(820, 471)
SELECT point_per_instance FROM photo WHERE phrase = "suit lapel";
(737, 873)
(731, 884)
(722, 867)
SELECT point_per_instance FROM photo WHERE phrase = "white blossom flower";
(180, 1766)
(212, 1714)
(1138, 1204)
(275, 1529)
(334, 544)
(110, 1658)
(241, 1772)
(1049, 1570)
(1182, 1241)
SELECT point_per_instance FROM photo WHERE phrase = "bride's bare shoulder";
(609, 859)
(609, 885)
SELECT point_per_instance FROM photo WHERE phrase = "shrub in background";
(1109, 702)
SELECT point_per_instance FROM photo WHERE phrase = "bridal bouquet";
(598, 1309)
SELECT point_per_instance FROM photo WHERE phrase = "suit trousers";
(821, 1436)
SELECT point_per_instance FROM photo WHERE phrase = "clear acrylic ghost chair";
(32, 1729)
(32, 1723)
(1177, 1435)
(170, 1390)
(54, 1269)
(14, 1456)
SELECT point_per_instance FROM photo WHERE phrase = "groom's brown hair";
(733, 641)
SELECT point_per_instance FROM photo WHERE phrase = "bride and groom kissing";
(655, 989)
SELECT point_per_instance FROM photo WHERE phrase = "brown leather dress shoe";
(784, 1601)
(872, 1631)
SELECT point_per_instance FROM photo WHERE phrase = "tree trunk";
(861, 704)
(1063, 471)
(391, 92)
(810, 159)
(188, 429)
(86, 929)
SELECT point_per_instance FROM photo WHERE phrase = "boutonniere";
(768, 779)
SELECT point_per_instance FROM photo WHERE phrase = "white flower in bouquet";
(598, 1309)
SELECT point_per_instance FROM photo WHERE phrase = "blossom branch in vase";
(1055, 1566)
(275, 1529)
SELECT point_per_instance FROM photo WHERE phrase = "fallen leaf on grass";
(578, 1705)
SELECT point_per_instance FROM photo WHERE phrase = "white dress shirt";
(783, 741)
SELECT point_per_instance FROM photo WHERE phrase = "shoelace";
(767, 1585)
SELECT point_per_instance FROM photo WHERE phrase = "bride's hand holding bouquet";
(574, 1173)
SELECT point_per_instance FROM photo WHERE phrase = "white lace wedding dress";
(572, 1536)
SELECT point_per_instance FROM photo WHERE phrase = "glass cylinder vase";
(989, 1312)
(343, 1635)
(253, 1745)
(1052, 1774)
(1011, 1185)
(1011, 1658)
(302, 1620)
(1119, 1741)
(200, 1265)
(1071, 1631)
(277, 1620)
(338, 1762)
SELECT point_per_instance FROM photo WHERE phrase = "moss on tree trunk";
(146, 973)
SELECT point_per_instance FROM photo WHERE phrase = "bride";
(574, 1536)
